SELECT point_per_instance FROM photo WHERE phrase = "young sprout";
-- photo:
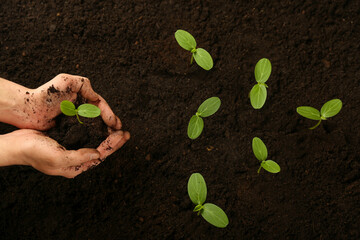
(258, 92)
(210, 212)
(84, 110)
(329, 109)
(261, 153)
(201, 56)
(206, 109)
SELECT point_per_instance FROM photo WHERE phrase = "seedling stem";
(77, 116)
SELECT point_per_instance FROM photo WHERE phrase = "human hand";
(40, 106)
(37, 108)
(33, 148)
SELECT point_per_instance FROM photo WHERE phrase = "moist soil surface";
(128, 51)
(73, 134)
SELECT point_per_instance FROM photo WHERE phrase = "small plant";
(329, 109)
(201, 56)
(261, 153)
(206, 109)
(84, 110)
(258, 93)
(210, 212)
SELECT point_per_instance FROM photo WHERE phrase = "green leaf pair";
(206, 109)
(329, 109)
(258, 93)
(84, 110)
(210, 212)
(261, 153)
(201, 56)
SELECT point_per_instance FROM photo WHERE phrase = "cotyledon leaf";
(203, 59)
(214, 215)
(68, 108)
(270, 166)
(197, 188)
(259, 149)
(195, 127)
(209, 107)
(331, 108)
(89, 110)
(258, 96)
(185, 40)
(309, 112)
(262, 70)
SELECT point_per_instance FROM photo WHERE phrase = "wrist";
(13, 99)
(10, 152)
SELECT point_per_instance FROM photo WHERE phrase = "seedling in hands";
(258, 93)
(84, 110)
(329, 109)
(261, 154)
(206, 109)
(210, 212)
(201, 56)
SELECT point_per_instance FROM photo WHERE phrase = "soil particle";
(52, 89)
(68, 89)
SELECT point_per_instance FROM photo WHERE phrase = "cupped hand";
(33, 148)
(42, 105)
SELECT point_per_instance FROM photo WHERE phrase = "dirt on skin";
(128, 51)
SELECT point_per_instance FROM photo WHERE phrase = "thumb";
(77, 157)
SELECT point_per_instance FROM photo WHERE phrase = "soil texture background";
(128, 51)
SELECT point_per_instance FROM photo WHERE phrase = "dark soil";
(128, 51)
(73, 135)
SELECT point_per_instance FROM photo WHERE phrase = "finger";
(118, 125)
(87, 91)
(73, 171)
(107, 114)
(81, 85)
(112, 143)
(90, 164)
(77, 157)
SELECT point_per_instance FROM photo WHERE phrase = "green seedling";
(261, 153)
(210, 212)
(84, 110)
(258, 93)
(329, 109)
(206, 109)
(201, 56)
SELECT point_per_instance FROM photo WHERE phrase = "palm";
(48, 156)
